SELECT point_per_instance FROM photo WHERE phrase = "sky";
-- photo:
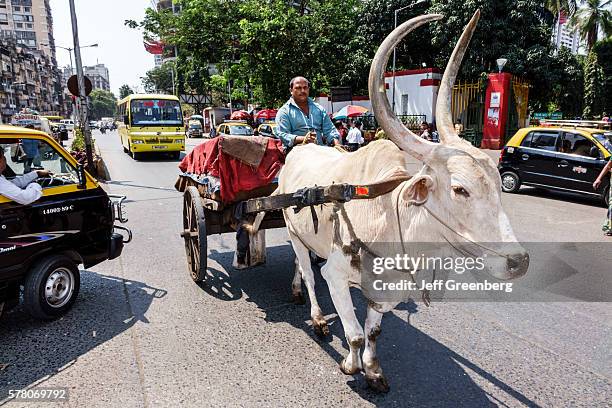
(120, 48)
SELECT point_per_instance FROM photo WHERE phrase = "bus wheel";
(175, 155)
(51, 287)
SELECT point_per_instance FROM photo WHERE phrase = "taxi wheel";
(51, 287)
(194, 234)
(510, 182)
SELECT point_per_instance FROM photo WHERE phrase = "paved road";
(142, 334)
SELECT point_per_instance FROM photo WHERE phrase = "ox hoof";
(298, 299)
(346, 370)
(320, 328)
(378, 383)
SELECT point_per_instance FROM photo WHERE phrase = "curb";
(101, 165)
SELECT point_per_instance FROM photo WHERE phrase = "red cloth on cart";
(235, 175)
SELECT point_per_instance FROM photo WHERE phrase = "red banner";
(154, 47)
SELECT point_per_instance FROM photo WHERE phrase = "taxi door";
(576, 168)
(70, 214)
(537, 157)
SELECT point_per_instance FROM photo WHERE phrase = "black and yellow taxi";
(43, 243)
(267, 129)
(234, 128)
(561, 158)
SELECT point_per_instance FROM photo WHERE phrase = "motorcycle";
(103, 129)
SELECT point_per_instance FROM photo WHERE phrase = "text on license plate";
(160, 147)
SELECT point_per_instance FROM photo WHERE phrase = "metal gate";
(517, 110)
(467, 105)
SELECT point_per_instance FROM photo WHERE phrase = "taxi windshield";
(156, 112)
(241, 130)
(195, 126)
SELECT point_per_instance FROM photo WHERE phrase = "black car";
(565, 159)
(42, 243)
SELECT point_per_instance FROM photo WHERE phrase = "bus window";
(156, 112)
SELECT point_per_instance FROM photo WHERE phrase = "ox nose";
(517, 264)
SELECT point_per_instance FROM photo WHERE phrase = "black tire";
(136, 156)
(194, 234)
(51, 287)
(175, 155)
(125, 150)
(510, 182)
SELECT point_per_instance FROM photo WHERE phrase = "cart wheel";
(194, 233)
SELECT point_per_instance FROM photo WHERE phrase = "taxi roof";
(569, 129)
(8, 130)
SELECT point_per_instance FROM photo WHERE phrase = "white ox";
(455, 197)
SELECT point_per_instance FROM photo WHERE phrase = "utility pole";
(82, 96)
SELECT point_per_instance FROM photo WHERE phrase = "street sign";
(73, 85)
(195, 99)
(341, 94)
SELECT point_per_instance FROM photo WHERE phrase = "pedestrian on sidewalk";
(354, 138)
(607, 226)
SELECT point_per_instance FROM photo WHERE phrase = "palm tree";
(589, 19)
(557, 6)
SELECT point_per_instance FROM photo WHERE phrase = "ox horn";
(393, 127)
(444, 119)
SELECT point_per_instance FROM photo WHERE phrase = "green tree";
(159, 79)
(566, 76)
(124, 91)
(589, 19)
(103, 104)
(603, 49)
(593, 87)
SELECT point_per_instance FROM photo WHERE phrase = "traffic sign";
(73, 86)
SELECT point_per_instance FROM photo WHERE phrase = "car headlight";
(138, 141)
(178, 141)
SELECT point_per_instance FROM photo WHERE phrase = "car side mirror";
(126, 120)
(82, 177)
(594, 152)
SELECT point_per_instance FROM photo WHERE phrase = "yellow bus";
(151, 123)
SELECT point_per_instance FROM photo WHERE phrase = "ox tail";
(254, 227)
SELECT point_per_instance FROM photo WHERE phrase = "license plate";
(160, 147)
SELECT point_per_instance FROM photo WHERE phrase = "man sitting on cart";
(301, 120)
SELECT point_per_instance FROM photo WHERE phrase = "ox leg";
(373, 373)
(319, 324)
(296, 285)
(335, 273)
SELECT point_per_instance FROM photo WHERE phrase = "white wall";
(421, 87)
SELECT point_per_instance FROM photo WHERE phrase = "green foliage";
(593, 87)
(159, 79)
(124, 91)
(78, 143)
(566, 78)
(603, 49)
(102, 104)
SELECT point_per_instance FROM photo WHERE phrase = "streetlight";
(501, 62)
(394, 27)
(69, 49)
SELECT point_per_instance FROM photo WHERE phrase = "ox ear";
(416, 191)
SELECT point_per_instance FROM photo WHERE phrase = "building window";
(27, 9)
(19, 25)
(30, 26)
(16, 8)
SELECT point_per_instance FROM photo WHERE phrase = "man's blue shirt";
(292, 122)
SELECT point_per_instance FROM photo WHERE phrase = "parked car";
(69, 123)
(565, 159)
(93, 124)
(234, 128)
(42, 244)
(267, 129)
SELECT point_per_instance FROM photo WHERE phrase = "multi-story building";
(29, 80)
(30, 77)
(98, 75)
(565, 36)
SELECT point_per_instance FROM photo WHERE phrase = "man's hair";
(295, 79)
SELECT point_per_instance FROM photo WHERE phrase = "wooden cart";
(204, 216)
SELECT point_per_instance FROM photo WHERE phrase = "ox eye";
(461, 191)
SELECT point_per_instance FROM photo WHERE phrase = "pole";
(75, 104)
(393, 98)
(229, 92)
(82, 96)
